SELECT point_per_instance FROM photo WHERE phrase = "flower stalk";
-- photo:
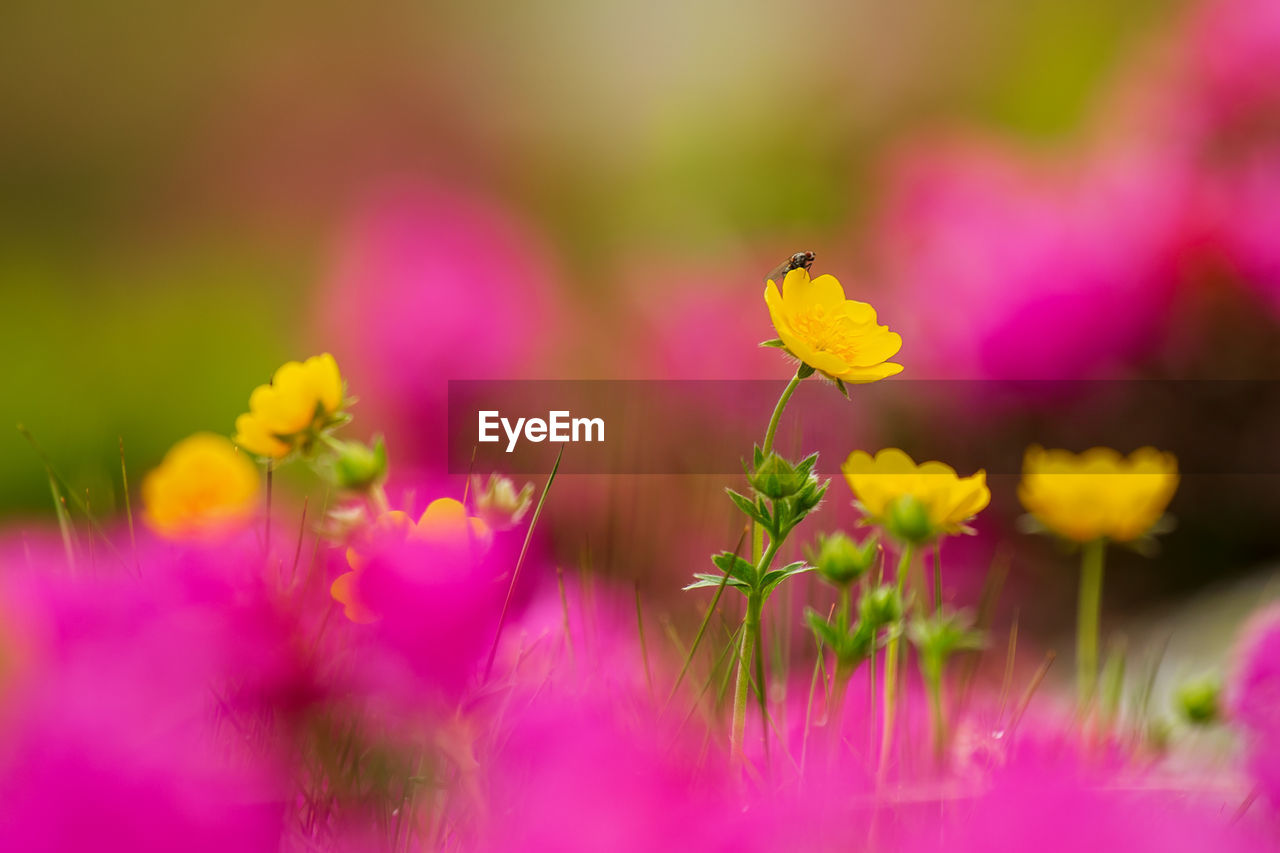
(1087, 619)
(891, 670)
(782, 494)
(746, 650)
(802, 373)
(937, 637)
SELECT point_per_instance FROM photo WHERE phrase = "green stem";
(835, 713)
(871, 697)
(891, 671)
(762, 690)
(757, 532)
(937, 576)
(777, 410)
(750, 630)
(742, 685)
(933, 681)
(1087, 617)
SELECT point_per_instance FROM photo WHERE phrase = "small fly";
(800, 260)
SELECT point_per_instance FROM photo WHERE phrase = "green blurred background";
(171, 175)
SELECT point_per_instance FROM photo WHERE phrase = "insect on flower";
(800, 260)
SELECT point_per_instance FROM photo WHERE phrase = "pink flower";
(1235, 57)
(1050, 800)
(598, 772)
(1243, 206)
(431, 285)
(118, 721)
(690, 321)
(1254, 698)
(1005, 268)
(433, 610)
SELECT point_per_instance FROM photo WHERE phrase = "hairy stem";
(835, 710)
(777, 411)
(757, 532)
(891, 671)
(1087, 617)
(933, 681)
(751, 626)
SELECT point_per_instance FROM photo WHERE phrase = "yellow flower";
(302, 399)
(1099, 493)
(204, 487)
(829, 333)
(914, 502)
(444, 526)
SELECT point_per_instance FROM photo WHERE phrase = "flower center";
(827, 331)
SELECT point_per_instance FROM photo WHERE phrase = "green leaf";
(776, 576)
(806, 464)
(842, 389)
(825, 633)
(746, 506)
(733, 565)
(705, 580)
(776, 343)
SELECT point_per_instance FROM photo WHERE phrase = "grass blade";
(515, 575)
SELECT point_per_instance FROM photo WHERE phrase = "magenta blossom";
(431, 285)
(1234, 49)
(1254, 698)
(117, 713)
(1009, 269)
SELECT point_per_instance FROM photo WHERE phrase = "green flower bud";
(358, 467)
(938, 636)
(776, 478)
(841, 560)
(498, 504)
(908, 521)
(881, 606)
(1198, 701)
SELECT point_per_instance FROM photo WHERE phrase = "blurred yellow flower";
(914, 502)
(1099, 493)
(834, 335)
(287, 414)
(203, 487)
(444, 526)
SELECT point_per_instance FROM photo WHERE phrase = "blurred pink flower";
(703, 321)
(1242, 206)
(600, 772)
(1234, 52)
(1254, 698)
(431, 285)
(1051, 798)
(120, 726)
(1005, 268)
(437, 613)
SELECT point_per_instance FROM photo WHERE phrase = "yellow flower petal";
(253, 436)
(343, 591)
(286, 413)
(445, 522)
(834, 335)
(202, 488)
(859, 375)
(803, 293)
(951, 500)
(1099, 493)
(326, 381)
